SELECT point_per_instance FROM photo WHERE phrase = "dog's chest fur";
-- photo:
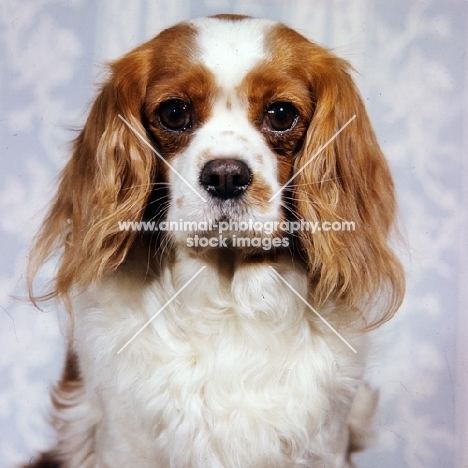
(236, 371)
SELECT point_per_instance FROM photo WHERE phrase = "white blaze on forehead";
(230, 49)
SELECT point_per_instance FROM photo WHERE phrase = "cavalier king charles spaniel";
(218, 315)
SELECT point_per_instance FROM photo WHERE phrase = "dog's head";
(236, 119)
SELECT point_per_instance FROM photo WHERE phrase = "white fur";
(228, 375)
(229, 50)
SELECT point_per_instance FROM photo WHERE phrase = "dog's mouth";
(228, 230)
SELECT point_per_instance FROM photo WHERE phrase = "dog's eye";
(174, 115)
(281, 116)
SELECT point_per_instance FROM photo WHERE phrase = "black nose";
(225, 178)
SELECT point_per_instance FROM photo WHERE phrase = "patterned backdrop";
(411, 63)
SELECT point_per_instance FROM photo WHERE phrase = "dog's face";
(230, 115)
(251, 122)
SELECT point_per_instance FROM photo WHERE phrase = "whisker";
(161, 213)
(146, 185)
(316, 203)
(296, 199)
(292, 211)
(315, 182)
(157, 200)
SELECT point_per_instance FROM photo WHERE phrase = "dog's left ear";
(348, 180)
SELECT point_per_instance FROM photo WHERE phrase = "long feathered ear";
(107, 180)
(349, 180)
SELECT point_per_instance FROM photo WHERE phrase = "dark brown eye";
(280, 116)
(175, 115)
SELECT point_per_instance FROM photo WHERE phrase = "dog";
(219, 312)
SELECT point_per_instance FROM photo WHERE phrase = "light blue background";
(412, 64)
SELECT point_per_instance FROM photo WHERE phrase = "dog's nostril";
(237, 180)
(213, 180)
(225, 178)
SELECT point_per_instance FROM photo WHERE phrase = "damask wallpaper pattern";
(411, 62)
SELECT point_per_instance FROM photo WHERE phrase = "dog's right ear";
(108, 179)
